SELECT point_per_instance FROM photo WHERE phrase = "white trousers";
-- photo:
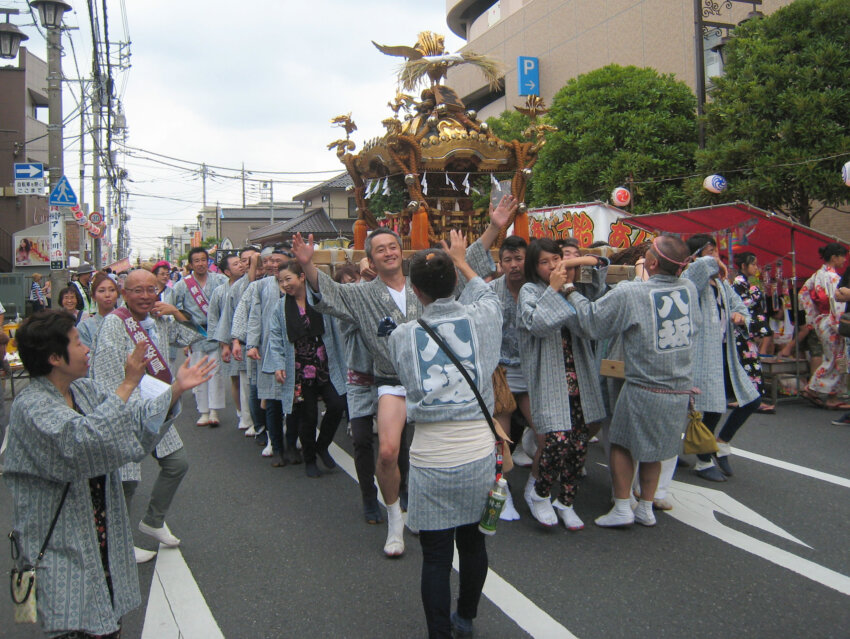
(245, 399)
(210, 394)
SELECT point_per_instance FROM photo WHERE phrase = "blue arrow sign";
(29, 171)
(62, 194)
(528, 71)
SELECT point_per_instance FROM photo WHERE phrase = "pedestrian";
(305, 354)
(37, 296)
(723, 313)
(69, 301)
(67, 437)
(106, 296)
(82, 286)
(823, 312)
(563, 379)
(452, 454)
(146, 320)
(749, 344)
(658, 320)
(377, 307)
(191, 296)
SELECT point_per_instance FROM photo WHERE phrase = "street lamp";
(10, 36)
(50, 12)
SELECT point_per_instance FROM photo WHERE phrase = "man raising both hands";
(377, 307)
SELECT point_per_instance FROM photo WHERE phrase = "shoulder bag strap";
(52, 525)
(462, 370)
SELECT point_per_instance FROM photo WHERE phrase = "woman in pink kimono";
(817, 298)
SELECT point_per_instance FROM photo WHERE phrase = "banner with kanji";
(587, 223)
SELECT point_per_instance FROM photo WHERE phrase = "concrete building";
(234, 225)
(23, 138)
(571, 37)
(178, 242)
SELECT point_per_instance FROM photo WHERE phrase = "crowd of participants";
(276, 334)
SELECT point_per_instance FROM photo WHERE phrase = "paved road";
(275, 554)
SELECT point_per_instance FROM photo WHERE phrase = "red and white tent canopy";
(772, 237)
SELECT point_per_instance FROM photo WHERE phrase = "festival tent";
(738, 226)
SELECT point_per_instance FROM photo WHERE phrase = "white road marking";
(524, 612)
(695, 506)
(794, 468)
(176, 608)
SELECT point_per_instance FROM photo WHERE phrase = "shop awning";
(771, 236)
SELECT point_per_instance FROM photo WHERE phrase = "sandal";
(813, 398)
(766, 409)
(838, 406)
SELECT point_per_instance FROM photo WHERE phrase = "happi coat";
(280, 354)
(510, 334)
(239, 327)
(361, 398)
(366, 304)
(541, 315)
(89, 328)
(224, 328)
(107, 367)
(472, 327)
(708, 357)
(659, 321)
(184, 301)
(265, 297)
(50, 444)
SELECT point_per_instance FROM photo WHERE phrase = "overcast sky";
(232, 82)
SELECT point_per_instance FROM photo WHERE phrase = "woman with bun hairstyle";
(823, 311)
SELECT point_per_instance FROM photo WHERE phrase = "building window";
(352, 207)
(325, 197)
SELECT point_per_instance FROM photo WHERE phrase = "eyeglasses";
(139, 290)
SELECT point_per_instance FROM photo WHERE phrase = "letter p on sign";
(528, 72)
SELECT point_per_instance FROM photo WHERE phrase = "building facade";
(23, 138)
(333, 197)
(571, 37)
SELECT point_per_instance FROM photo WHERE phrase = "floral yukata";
(748, 352)
(817, 297)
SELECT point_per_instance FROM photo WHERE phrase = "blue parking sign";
(528, 71)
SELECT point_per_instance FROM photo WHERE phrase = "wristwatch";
(569, 288)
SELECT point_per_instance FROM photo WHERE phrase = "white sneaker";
(143, 556)
(521, 458)
(250, 432)
(267, 451)
(541, 509)
(203, 420)
(571, 520)
(162, 535)
(509, 511)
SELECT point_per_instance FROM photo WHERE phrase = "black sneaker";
(327, 461)
(724, 465)
(844, 420)
(712, 473)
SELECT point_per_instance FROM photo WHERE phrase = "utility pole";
(204, 181)
(243, 185)
(97, 103)
(271, 201)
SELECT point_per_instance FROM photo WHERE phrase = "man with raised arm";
(377, 307)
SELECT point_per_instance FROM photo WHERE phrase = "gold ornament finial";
(346, 123)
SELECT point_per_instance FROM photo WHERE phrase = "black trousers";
(437, 553)
(306, 413)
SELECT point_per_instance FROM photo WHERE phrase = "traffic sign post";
(528, 72)
(62, 194)
(56, 231)
(29, 178)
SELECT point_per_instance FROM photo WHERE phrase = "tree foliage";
(784, 99)
(613, 123)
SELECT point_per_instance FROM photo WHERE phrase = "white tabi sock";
(395, 531)
(702, 465)
(724, 449)
(644, 514)
(620, 515)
